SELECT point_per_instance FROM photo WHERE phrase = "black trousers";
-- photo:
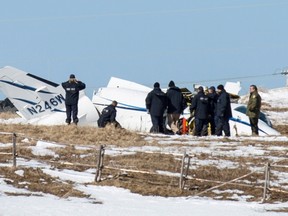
(222, 124)
(211, 121)
(201, 126)
(158, 124)
(254, 126)
(71, 113)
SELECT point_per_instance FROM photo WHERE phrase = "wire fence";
(184, 177)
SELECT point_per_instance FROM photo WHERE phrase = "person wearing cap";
(253, 109)
(156, 104)
(108, 115)
(200, 107)
(212, 95)
(223, 112)
(72, 88)
(176, 105)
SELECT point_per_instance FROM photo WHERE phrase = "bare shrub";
(8, 115)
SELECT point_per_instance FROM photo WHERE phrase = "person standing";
(223, 112)
(156, 104)
(108, 115)
(200, 104)
(72, 88)
(176, 105)
(212, 95)
(253, 109)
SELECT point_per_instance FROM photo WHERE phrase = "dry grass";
(35, 180)
(73, 135)
(283, 129)
(201, 177)
(8, 115)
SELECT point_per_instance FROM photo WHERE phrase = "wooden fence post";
(100, 163)
(266, 182)
(183, 175)
(14, 152)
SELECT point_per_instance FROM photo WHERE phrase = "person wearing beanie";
(72, 88)
(212, 88)
(200, 107)
(223, 112)
(176, 105)
(156, 85)
(253, 109)
(220, 87)
(212, 96)
(171, 84)
(156, 104)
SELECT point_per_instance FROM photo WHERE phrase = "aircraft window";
(262, 116)
(241, 109)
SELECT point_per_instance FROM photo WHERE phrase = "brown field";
(143, 172)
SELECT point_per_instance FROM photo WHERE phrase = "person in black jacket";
(200, 104)
(176, 105)
(212, 95)
(72, 88)
(223, 112)
(156, 104)
(108, 115)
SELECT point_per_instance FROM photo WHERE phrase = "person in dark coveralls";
(223, 112)
(108, 115)
(200, 104)
(176, 105)
(72, 88)
(253, 109)
(212, 95)
(156, 104)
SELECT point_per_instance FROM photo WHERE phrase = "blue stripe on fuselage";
(25, 101)
(24, 87)
(245, 123)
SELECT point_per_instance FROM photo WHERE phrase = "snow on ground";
(106, 200)
(116, 201)
(276, 98)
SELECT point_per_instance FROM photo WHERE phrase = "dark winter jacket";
(72, 91)
(212, 102)
(156, 102)
(108, 115)
(176, 101)
(200, 103)
(254, 105)
(223, 106)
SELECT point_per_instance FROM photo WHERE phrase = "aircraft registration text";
(47, 105)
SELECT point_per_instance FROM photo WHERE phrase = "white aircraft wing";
(41, 101)
(233, 87)
(121, 83)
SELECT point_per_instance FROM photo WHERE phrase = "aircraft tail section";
(40, 100)
(31, 95)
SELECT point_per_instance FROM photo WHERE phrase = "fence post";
(14, 152)
(100, 163)
(182, 177)
(266, 182)
(187, 167)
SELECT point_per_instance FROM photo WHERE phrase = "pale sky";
(189, 41)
